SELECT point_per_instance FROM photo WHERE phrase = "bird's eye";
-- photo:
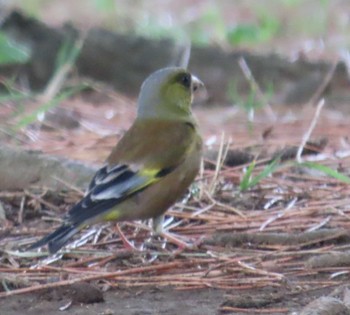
(186, 80)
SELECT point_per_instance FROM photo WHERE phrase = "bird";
(151, 166)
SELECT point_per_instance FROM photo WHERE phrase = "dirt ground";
(148, 301)
(81, 299)
(121, 302)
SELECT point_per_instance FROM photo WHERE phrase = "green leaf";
(326, 170)
(12, 52)
(244, 185)
(267, 27)
(105, 5)
(13, 97)
(30, 118)
(243, 33)
(268, 170)
(248, 181)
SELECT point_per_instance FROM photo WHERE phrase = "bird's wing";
(126, 175)
(110, 186)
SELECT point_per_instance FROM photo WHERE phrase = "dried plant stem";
(307, 135)
(254, 85)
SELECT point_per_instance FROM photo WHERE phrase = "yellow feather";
(112, 215)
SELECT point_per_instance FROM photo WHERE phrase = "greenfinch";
(150, 167)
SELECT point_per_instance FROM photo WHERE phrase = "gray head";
(168, 94)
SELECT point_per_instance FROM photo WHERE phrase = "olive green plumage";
(151, 166)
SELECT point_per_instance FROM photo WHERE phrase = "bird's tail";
(58, 238)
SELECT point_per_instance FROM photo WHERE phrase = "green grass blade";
(68, 53)
(13, 97)
(268, 170)
(248, 181)
(32, 117)
(245, 183)
(326, 170)
(12, 52)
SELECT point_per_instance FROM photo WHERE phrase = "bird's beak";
(196, 83)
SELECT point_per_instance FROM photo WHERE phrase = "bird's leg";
(157, 225)
(127, 244)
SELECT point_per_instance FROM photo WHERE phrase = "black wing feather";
(108, 188)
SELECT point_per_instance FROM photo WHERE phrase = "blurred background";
(285, 26)
(262, 61)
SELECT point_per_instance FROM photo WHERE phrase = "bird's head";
(168, 94)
